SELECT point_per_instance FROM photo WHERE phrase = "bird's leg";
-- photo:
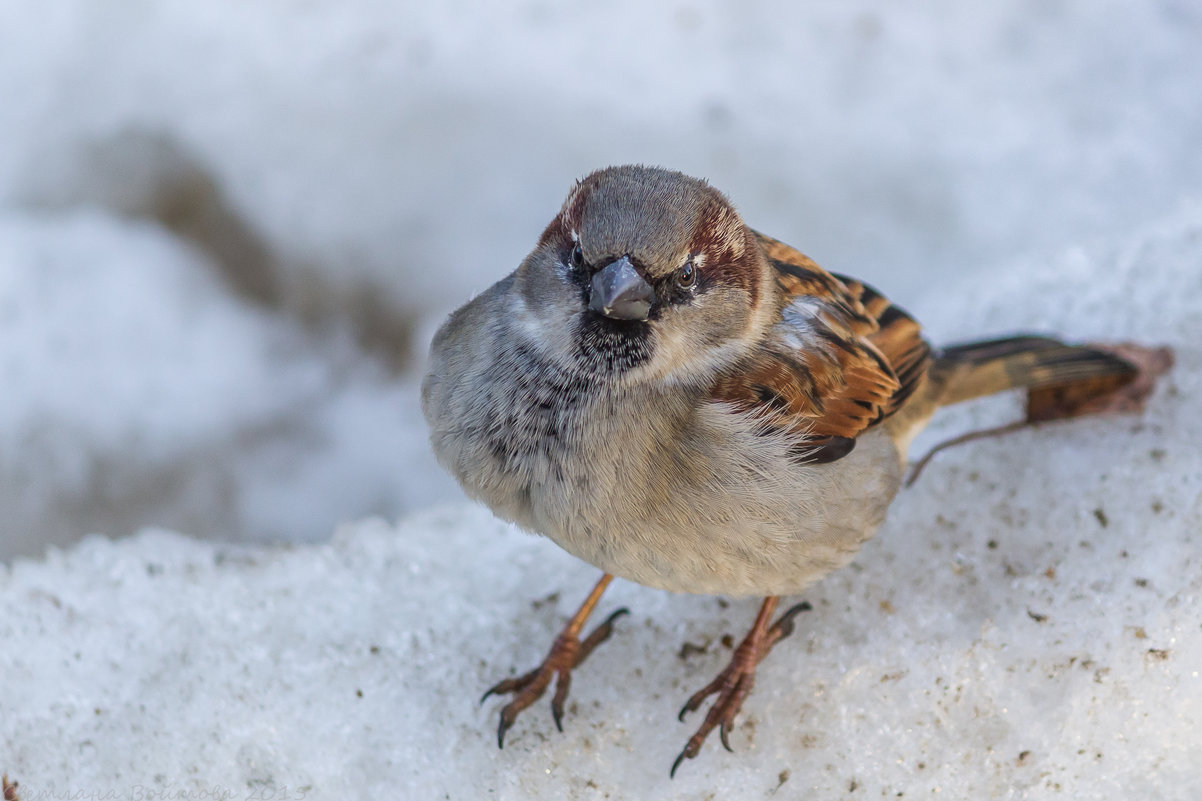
(566, 653)
(735, 682)
(983, 433)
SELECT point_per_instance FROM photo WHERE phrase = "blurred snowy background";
(227, 229)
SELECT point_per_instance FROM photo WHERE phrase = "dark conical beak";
(619, 292)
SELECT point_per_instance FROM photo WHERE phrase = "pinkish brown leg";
(734, 684)
(566, 653)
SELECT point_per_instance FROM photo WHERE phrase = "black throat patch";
(606, 347)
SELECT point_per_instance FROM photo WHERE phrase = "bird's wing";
(841, 359)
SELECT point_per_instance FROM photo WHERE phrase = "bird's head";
(647, 274)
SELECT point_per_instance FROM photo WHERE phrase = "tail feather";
(974, 369)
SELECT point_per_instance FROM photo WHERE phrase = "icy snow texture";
(1027, 625)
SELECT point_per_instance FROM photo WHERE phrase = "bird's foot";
(734, 683)
(567, 653)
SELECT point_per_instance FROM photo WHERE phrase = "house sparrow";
(692, 405)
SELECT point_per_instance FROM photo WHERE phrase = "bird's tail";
(975, 369)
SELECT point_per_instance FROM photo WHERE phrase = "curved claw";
(695, 700)
(783, 627)
(599, 634)
(496, 688)
(493, 690)
(503, 727)
(723, 731)
(561, 695)
(527, 689)
(689, 706)
(617, 613)
(676, 764)
(509, 685)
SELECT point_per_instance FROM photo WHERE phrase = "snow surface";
(1027, 625)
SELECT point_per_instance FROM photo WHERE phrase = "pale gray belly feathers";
(688, 499)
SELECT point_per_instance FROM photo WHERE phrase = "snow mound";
(1026, 625)
(137, 390)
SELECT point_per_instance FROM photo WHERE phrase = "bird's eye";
(686, 276)
(577, 257)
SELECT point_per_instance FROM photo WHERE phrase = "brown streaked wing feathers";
(898, 338)
(866, 358)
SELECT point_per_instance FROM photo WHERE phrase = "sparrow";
(692, 405)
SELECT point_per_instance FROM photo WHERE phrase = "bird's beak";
(619, 292)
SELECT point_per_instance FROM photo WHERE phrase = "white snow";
(138, 390)
(1026, 625)
(433, 141)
